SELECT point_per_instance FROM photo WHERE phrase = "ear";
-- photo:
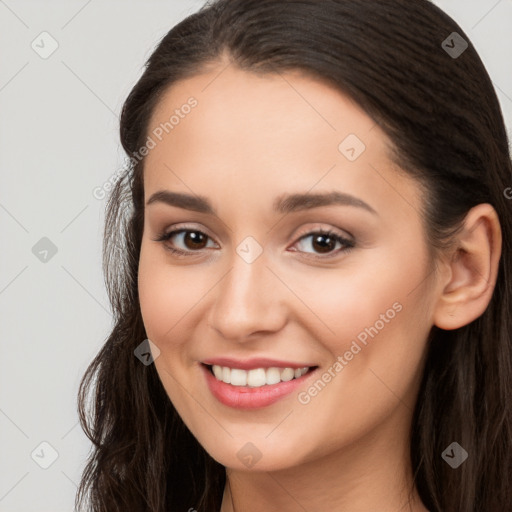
(472, 269)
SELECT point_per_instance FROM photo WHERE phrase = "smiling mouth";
(257, 377)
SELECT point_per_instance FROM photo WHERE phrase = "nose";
(248, 301)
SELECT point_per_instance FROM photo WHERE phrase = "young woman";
(309, 263)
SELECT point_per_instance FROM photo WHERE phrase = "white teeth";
(273, 376)
(287, 374)
(217, 370)
(257, 377)
(238, 377)
(226, 375)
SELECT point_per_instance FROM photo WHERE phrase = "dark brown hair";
(443, 117)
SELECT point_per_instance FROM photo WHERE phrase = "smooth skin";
(249, 140)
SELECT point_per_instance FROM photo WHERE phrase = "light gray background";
(58, 142)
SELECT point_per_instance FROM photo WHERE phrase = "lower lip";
(244, 397)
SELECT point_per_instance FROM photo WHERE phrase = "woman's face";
(259, 280)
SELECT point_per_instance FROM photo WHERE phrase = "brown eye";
(324, 243)
(194, 239)
(184, 241)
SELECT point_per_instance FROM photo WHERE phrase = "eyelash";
(164, 237)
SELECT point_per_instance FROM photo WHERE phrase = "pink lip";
(251, 364)
(245, 397)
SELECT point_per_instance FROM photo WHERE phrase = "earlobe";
(473, 269)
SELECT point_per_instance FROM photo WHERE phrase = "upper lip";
(251, 364)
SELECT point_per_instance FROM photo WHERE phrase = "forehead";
(269, 109)
(266, 134)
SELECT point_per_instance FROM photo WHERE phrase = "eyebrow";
(286, 203)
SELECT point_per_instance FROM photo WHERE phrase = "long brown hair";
(441, 112)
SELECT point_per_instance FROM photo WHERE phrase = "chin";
(246, 455)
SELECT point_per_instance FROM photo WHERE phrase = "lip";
(245, 397)
(252, 364)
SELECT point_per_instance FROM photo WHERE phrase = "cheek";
(165, 295)
(380, 329)
(370, 318)
(172, 304)
(343, 302)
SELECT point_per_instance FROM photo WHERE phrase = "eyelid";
(322, 227)
(188, 227)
